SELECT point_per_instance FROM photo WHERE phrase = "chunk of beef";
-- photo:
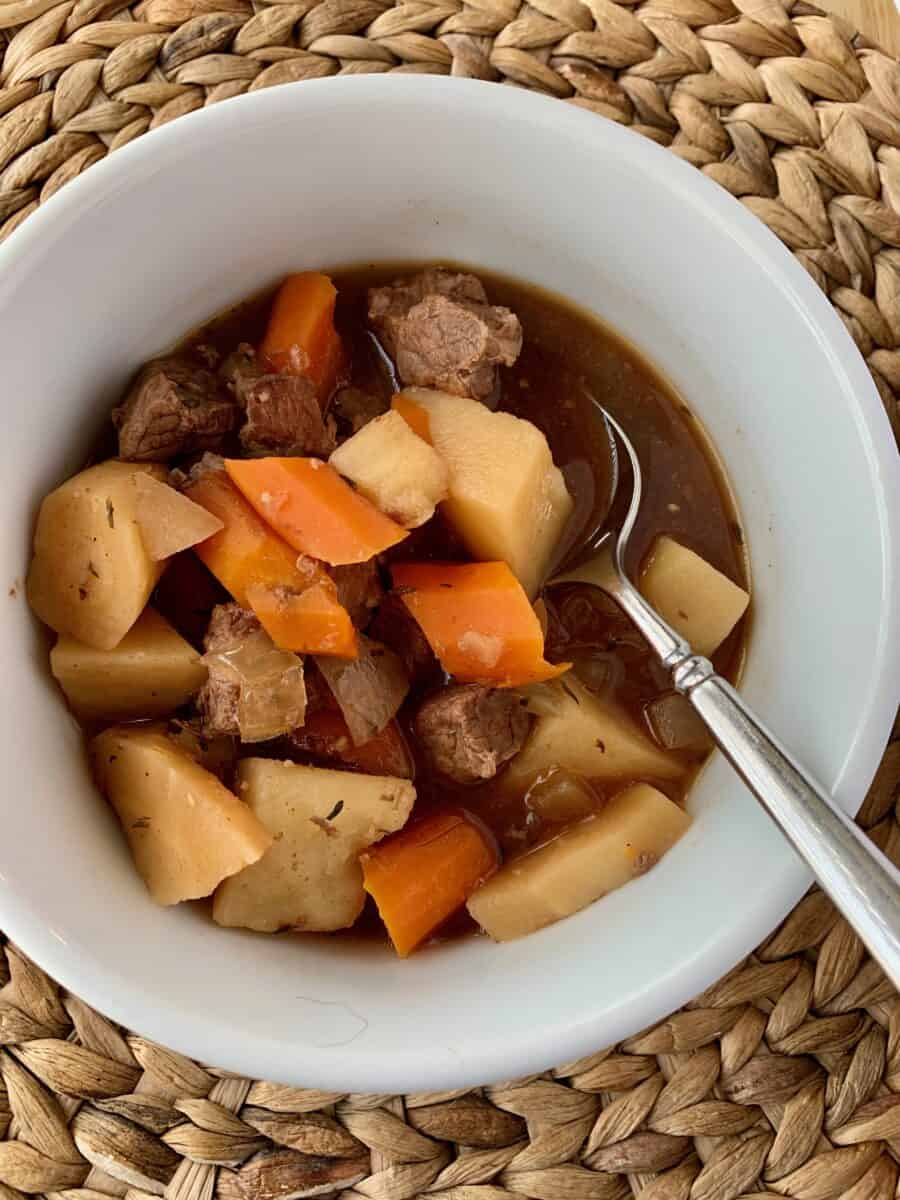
(239, 370)
(389, 305)
(395, 627)
(359, 589)
(456, 347)
(228, 625)
(284, 417)
(217, 700)
(468, 731)
(208, 354)
(174, 408)
(442, 333)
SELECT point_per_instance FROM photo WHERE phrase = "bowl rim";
(212, 1041)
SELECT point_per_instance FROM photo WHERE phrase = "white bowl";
(176, 226)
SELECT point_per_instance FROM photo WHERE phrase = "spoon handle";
(863, 883)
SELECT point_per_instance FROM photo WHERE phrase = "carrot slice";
(298, 608)
(478, 621)
(308, 622)
(308, 503)
(413, 414)
(301, 338)
(422, 875)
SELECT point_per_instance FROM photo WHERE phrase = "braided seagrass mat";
(784, 1078)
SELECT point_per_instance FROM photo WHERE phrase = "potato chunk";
(169, 521)
(591, 738)
(91, 575)
(699, 602)
(395, 469)
(506, 499)
(186, 831)
(321, 820)
(584, 863)
(151, 672)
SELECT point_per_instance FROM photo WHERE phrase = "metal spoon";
(861, 881)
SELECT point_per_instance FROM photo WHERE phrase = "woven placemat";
(779, 1081)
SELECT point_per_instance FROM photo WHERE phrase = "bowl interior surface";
(178, 225)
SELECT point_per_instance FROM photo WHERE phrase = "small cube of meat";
(395, 627)
(284, 417)
(442, 333)
(468, 731)
(228, 625)
(239, 370)
(207, 353)
(456, 347)
(175, 407)
(389, 305)
(359, 590)
(217, 700)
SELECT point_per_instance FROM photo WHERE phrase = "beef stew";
(303, 616)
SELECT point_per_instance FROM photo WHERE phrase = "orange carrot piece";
(325, 735)
(316, 511)
(478, 621)
(245, 551)
(413, 414)
(298, 608)
(308, 622)
(422, 875)
(301, 338)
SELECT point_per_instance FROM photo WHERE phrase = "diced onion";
(369, 688)
(272, 691)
